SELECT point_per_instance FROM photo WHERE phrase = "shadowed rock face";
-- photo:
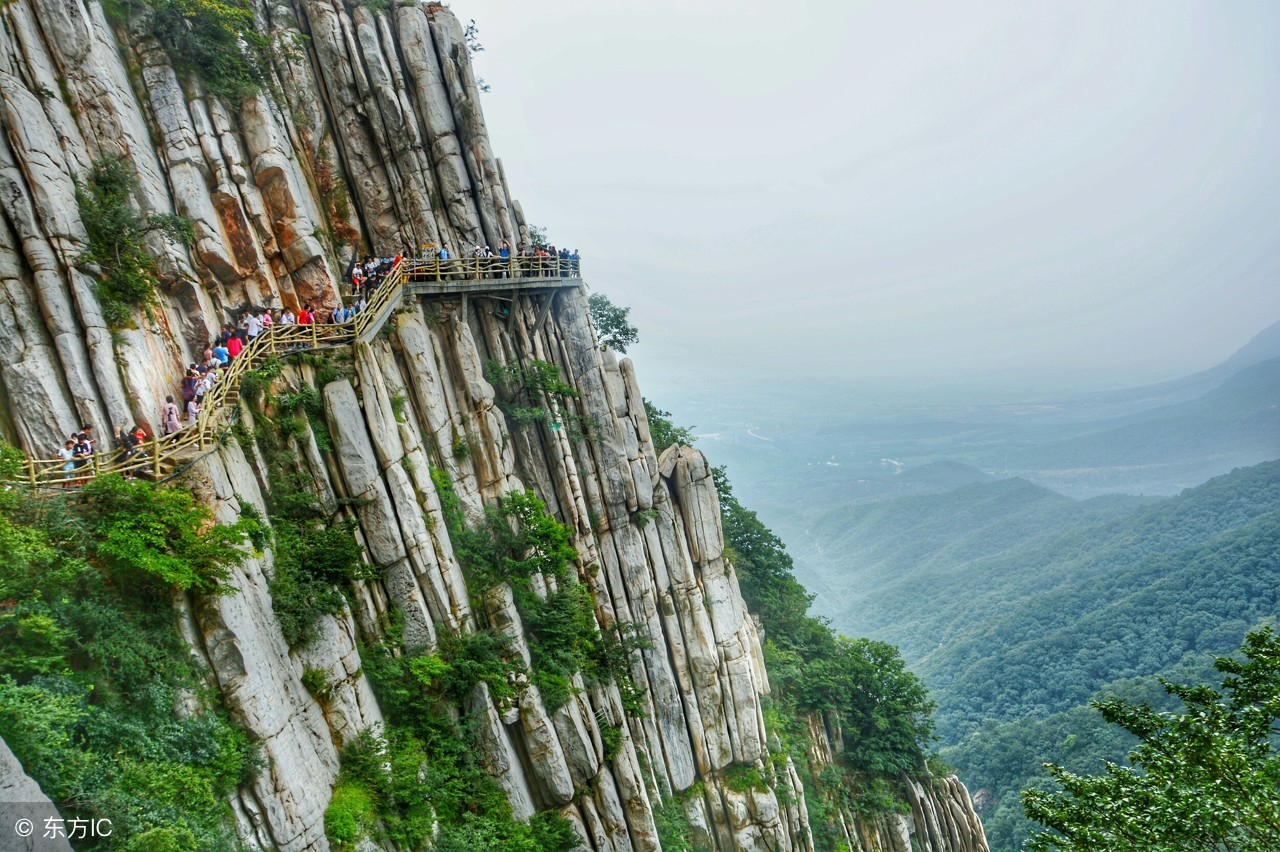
(376, 134)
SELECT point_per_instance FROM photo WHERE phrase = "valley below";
(1026, 556)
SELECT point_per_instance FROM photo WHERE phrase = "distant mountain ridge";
(1235, 423)
(1263, 346)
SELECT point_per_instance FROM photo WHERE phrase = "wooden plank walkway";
(161, 457)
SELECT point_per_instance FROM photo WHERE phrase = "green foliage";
(351, 815)
(674, 831)
(305, 399)
(398, 403)
(11, 469)
(316, 682)
(526, 394)
(611, 739)
(1209, 773)
(743, 779)
(310, 562)
(882, 707)
(562, 636)
(663, 431)
(115, 231)
(255, 383)
(642, 517)
(611, 323)
(314, 552)
(91, 668)
(538, 376)
(480, 657)
(154, 538)
(423, 766)
(214, 40)
(329, 366)
(515, 541)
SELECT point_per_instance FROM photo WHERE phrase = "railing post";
(155, 459)
(31, 472)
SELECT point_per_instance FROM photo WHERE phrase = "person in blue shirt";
(444, 252)
(573, 260)
(222, 354)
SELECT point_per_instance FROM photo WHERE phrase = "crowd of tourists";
(77, 452)
(232, 339)
(540, 260)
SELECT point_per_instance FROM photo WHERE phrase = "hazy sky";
(1033, 193)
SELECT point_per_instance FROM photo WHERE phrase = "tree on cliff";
(1207, 777)
(611, 323)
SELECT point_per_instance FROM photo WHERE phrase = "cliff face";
(370, 130)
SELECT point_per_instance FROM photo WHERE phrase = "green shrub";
(642, 517)
(424, 765)
(350, 815)
(663, 431)
(398, 403)
(674, 831)
(155, 538)
(744, 779)
(316, 682)
(255, 383)
(214, 40)
(115, 232)
(611, 739)
(524, 392)
(91, 668)
(495, 553)
(310, 562)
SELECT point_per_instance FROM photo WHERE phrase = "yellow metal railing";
(157, 457)
(484, 268)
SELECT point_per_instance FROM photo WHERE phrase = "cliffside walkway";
(163, 456)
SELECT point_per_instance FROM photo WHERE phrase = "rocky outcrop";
(370, 133)
(25, 811)
(941, 815)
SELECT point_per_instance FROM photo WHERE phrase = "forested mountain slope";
(1096, 610)
(927, 571)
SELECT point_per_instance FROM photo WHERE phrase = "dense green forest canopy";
(1204, 776)
(1043, 617)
